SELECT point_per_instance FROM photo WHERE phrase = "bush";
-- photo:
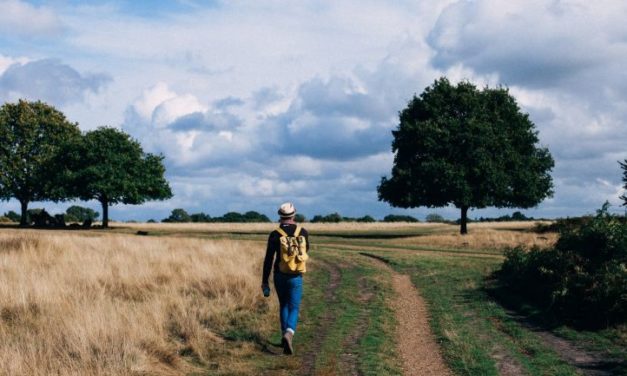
(563, 224)
(399, 218)
(77, 213)
(178, 215)
(582, 279)
(299, 218)
(434, 217)
(330, 218)
(13, 216)
(200, 217)
(366, 219)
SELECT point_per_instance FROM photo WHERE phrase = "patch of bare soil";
(309, 359)
(506, 364)
(589, 363)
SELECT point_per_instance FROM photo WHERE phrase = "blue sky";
(258, 102)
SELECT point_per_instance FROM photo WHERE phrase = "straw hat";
(287, 210)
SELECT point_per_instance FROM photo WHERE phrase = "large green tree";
(471, 148)
(624, 166)
(109, 166)
(31, 137)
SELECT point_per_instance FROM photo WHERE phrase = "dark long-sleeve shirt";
(274, 247)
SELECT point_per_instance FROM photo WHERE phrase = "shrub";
(77, 213)
(13, 216)
(178, 215)
(582, 279)
(200, 217)
(434, 217)
(332, 218)
(366, 219)
(399, 218)
(563, 224)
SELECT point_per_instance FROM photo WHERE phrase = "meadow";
(184, 299)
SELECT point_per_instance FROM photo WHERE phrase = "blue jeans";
(289, 289)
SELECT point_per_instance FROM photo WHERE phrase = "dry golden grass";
(118, 305)
(485, 236)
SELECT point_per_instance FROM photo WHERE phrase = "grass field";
(185, 300)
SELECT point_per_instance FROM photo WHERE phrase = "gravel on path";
(416, 344)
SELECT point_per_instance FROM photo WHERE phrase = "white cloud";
(48, 80)
(6, 62)
(254, 102)
(21, 18)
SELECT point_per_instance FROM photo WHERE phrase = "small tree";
(200, 217)
(77, 213)
(109, 166)
(469, 148)
(434, 218)
(624, 196)
(299, 218)
(31, 138)
(13, 216)
(399, 218)
(178, 215)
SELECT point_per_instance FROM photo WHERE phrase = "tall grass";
(484, 237)
(119, 305)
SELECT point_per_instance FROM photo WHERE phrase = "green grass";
(365, 328)
(475, 332)
(473, 329)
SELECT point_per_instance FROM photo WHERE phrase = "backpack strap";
(281, 232)
(297, 231)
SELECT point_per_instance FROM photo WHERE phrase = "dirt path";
(416, 344)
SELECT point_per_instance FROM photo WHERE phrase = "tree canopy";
(107, 165)
(470, 148)
(32, 135)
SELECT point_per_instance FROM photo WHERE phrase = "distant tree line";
(45, 157)
(74, 213)
(181, 216)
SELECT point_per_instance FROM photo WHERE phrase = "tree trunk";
(105, 213)
(24, 208)
(464, 226)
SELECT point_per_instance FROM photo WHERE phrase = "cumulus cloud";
(532, 43)
(191, 134)
(249, 113)
(23, 19)
(48, 80)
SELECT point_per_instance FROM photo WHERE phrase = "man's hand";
(266, 289)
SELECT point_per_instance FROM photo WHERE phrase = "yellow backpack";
(293, 252)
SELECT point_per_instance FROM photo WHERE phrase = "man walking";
(287, 252)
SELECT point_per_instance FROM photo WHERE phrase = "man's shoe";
(287, 343)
